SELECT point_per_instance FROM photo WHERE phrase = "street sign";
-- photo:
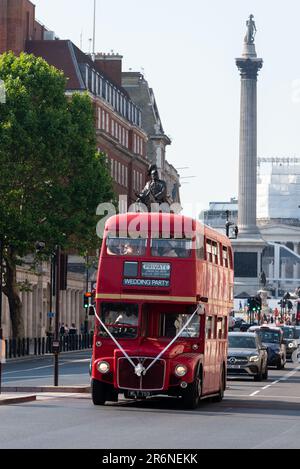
(55, 346)
(51, 315)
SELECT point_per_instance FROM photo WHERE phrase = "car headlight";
(103, 367)
(180, 370)
(292, 344)
(255, 358)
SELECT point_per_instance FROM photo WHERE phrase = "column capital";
(249, 67)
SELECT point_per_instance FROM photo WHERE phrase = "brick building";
(117, 118)
(17, 25)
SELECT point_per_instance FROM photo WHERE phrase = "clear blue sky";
(187, 50)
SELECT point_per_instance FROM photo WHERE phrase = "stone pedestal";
(264, 302)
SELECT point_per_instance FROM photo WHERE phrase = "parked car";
(289, 339)
(272, 338)
(247, 356)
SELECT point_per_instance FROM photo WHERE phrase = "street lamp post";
(57, 314)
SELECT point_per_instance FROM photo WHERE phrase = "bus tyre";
(220, 396)
(265, 374)
(259, 376)
(192, 394)
(280, 364)
(98, 392)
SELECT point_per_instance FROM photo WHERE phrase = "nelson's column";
(249, 245)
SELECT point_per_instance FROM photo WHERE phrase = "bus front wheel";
(192, 394)
(99, 392)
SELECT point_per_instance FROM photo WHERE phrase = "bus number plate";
(139, 394)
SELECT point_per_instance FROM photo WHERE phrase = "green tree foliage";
(52, 177)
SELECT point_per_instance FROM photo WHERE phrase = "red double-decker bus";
(164, 293)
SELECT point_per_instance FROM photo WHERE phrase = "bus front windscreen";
(126, 246)
(121, 319)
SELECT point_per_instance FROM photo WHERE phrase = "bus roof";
(152, 223)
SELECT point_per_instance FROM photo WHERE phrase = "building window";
(134, 143)
(107, 122)
(127, 139)
(119, 174)
(112, 168)
(87, 77)
(134, 180)
(141, 181)
(103, 120)
(112, 127)
(116, 171)
(99, 119)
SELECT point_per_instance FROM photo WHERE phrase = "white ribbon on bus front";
(139, 368)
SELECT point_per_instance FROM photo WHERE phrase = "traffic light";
(87, 300)
(254, 303)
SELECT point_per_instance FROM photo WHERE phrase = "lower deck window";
(172, 323)
(121, 319)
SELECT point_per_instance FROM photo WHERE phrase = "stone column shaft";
(248, 68)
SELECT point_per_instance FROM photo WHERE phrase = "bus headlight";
(180, 370)
(103, 367)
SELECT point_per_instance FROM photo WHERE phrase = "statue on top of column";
(251, 30)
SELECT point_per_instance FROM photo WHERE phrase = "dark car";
(289, 339)
(239, 322)
(272, 338)
(247, 356)
(245, 326)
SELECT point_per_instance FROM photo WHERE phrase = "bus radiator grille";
(152, 381)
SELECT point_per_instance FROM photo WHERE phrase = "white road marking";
(284, 378)
(46, 366)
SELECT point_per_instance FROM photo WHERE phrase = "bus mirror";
(92, 311)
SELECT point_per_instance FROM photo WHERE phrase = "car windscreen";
(288, 332)
(269, 337)
(180, 248)
(126, 246)
(241, 341)
(121, 319)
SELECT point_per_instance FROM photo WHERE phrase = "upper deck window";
(126, 246)
(180, 248)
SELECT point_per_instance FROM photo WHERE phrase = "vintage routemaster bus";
(164, 294)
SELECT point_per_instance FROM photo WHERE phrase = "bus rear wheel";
(192, 394)
(220, 396)
(99, 392)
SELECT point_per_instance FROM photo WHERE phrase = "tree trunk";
(11, 290)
